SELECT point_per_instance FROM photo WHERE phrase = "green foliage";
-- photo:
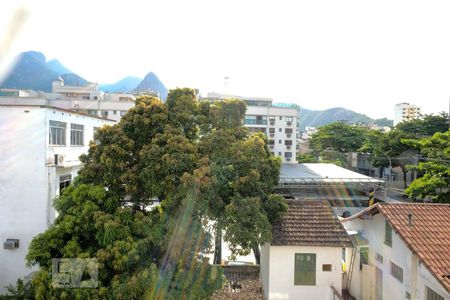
(155, 152)
(434, 184)
(307, 158)
(338, 137)
(21, 291)
(425, 126)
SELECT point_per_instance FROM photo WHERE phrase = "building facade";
(40, 153)
(278, 122)
(304, 259)
(403, 251)
(405, 112)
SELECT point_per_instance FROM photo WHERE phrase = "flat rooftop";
(321, 173)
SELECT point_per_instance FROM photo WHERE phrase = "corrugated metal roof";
(316, 173)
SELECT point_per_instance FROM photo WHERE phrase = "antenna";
(226, 78)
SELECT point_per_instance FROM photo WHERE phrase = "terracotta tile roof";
(428, 236)
(310, 223)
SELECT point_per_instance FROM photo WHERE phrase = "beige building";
(279, 123)
(405, 112)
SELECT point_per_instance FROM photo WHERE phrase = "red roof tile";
(427, 235)
(310, 223)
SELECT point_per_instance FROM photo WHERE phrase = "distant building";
(304, 258)
(402, 251)
(86, 99)
(40, 153)
(278, 121)
(405, 112)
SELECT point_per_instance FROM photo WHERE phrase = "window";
(114, 112)
(261, 120)
(288, 154)
(122, 113)
(379, 257)
(280, 129)
(388, 234)
(279, 153)
(86, 97)
(305, 269)
(95, 97)
(288, 142)
(363, 256)
(92, 112)
(326, 268)
(271, 130)
(104, 113)
(280, 141)
(76, 134)
(57, 133)
(397, 272)
(289, 119)
(432, 295)
(64, 182)
(281, 118)
(272, 119)
(271, 142)
(288, 131)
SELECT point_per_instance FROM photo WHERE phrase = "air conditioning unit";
(11, 244)
(288, 135)
(288, 147)
(289, 123)
(272, 146)
(288, 159)
(272, 122)
(59, 159)
(272, 134)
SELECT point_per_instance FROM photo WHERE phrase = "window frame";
(64, 182)
(57, 133)
(396, 271)
(76, 134)
(388, 234)
(431, 294)
(305, 270)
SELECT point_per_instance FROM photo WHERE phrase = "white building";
(405, 112)
(304, 259)
(403, 252)
(279, 123)
(39, 150)
(86, 99)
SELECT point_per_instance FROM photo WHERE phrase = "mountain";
(317, 118)
(32, 71)
(152, 83)
(56, 66)
(125, 85)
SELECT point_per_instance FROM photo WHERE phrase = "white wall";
(281, 275)
(29, 180)
(265, 269)
(415, 275)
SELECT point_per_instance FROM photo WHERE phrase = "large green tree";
(198, 161)
(434, 182)
(339, 137)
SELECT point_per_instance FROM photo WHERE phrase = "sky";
(362, 55)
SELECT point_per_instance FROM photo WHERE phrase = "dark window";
(363, 256)
(271, 130)
(305, 269)
(432, 295)
(64, 182)
(271, 142)
(288, 130)
(388, 234)
(288, 154)
(288, 142)
(397, 272)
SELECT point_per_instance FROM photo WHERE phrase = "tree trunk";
(257, 254)
(404, 179)
(218, 245)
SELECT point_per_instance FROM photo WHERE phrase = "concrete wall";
(280, 282)
(265, 269)
(415, 275)
(29, 179)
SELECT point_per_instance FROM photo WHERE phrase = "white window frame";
(57, 133)
(76, 134)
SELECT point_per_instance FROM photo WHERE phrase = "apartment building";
(278, 122)
(40, 149)
(405, 112)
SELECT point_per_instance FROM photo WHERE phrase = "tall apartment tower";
(405, 112)
(279, 123)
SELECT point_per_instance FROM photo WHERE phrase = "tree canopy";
(200, 163)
